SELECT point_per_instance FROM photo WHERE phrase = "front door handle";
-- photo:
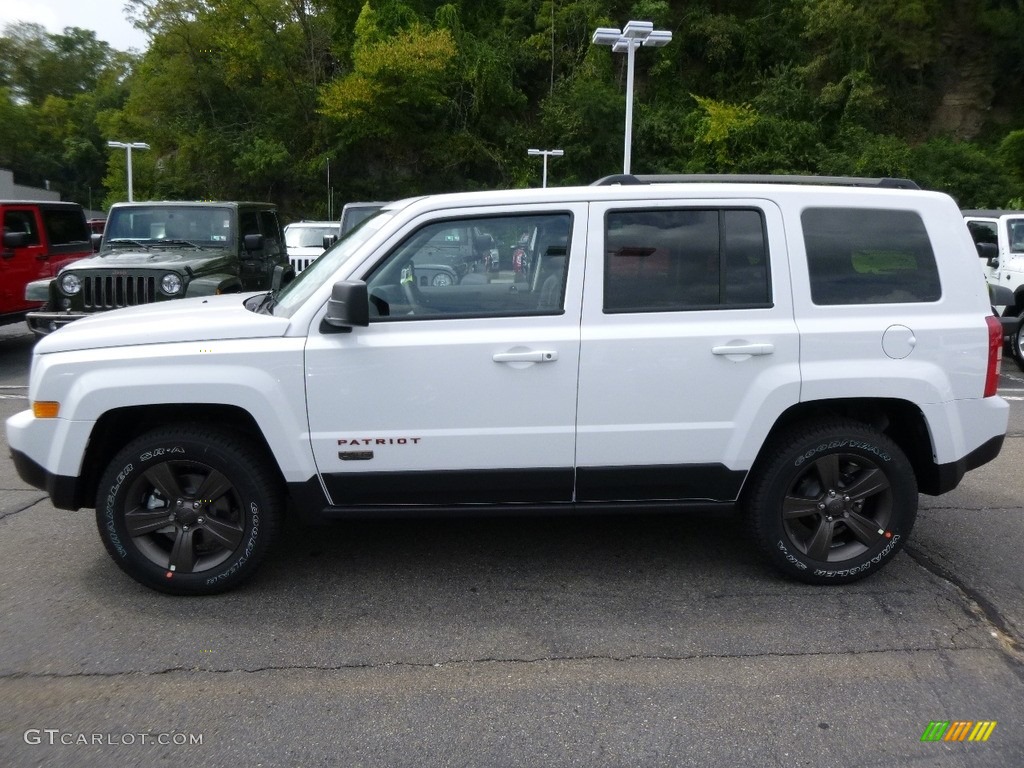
(743, 349)
(543, 356)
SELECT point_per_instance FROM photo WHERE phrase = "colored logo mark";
(958, 730)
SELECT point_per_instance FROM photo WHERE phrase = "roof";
(746, 178)
(42, 203)
(194, 203)
(991, 213)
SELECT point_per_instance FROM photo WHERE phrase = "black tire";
(189, 510)
(1017, 343)
(832, 502)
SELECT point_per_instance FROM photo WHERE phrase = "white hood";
(199, 319)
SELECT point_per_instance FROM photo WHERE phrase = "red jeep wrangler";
(39, 237)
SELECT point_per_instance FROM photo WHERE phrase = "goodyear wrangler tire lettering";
(831, 501)
(189, 510)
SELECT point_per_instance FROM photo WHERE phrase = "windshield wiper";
(128, 241)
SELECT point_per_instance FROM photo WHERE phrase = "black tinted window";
(63, 227)
(869, 256)
(670, 260)
(22, 222)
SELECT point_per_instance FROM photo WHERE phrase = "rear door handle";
(743, 349)
(525, 357)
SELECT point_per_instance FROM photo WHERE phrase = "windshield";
(309, 236)
(151, 224)
(313, 276)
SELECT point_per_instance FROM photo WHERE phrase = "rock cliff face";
(967, 74)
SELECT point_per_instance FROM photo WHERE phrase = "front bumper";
(63, 491)
(42, 323)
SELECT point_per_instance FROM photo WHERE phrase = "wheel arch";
(212, 285)
(900, 420)
(118, 427)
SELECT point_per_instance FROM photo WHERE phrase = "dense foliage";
(311, 103)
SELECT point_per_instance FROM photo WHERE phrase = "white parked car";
(306, 240)
(817, 354)
(999, 236)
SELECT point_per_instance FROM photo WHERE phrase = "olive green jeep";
(157, 251)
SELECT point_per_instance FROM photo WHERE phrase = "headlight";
(170, 284)
(71, 284)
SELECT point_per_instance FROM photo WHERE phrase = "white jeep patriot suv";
(815, 353)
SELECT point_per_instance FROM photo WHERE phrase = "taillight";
(995, 355)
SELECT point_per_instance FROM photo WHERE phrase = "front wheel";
(832, 502)
(189, 510)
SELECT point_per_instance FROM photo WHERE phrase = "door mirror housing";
(348, 307)
(989, 252)
(16, 239)
(253, 242)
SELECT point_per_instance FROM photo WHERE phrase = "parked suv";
(354, 214)
(38, 239)
(306, 240)
(999, 237)
(156, 251)
(814, 354)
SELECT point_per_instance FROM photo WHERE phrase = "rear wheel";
(832, 502)
(188, 510)
(1017, 343)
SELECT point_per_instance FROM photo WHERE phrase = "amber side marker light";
(45, 409)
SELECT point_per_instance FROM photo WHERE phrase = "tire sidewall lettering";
(857, 445)
(110, 510)
(887, 550)
(250, 545)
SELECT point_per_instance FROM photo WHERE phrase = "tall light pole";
(546, 153)
(628, 39)
(128, 146)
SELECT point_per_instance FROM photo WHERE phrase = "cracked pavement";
(591, 641)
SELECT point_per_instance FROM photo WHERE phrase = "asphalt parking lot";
(590, 641)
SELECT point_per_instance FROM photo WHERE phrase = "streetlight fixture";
(628, 39)
(128, 146)
(546, 153)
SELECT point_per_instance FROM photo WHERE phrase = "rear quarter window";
(869, 256)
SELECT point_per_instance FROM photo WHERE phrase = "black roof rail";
(743, 178)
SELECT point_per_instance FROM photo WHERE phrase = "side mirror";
(16, 239)
(987, 250)
(253, 242)
(348, 307)
(278, 279)
(329, 240)
(96, 240)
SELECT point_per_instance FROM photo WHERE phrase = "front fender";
(38, 290)
(213, 285)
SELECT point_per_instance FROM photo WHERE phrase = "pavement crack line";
(382, 665)
(976, 605)
(31, 502)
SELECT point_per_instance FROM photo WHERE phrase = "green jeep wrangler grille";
(101, 292)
